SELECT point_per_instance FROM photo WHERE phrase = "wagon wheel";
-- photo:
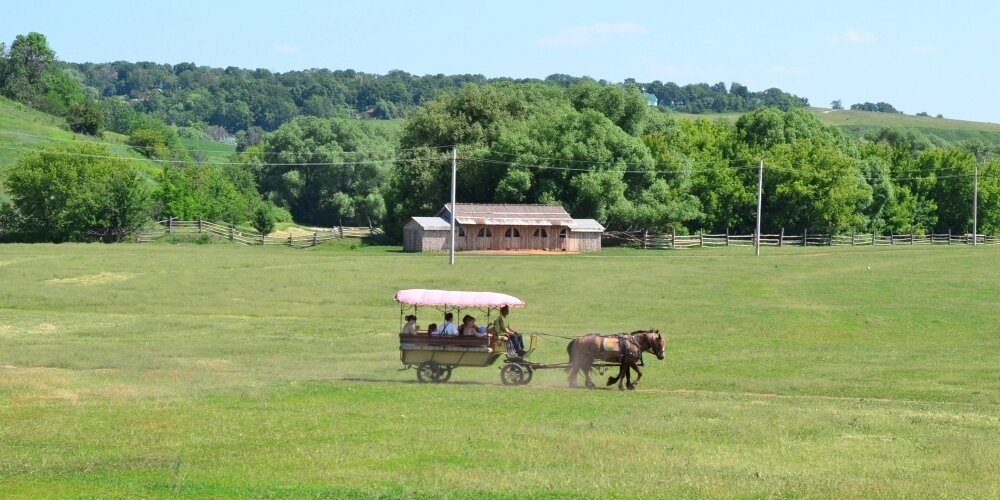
(530, 374)
(428, 371)
(514, 374)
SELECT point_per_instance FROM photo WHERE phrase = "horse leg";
(573, 371)
(638, 375)
(586, 373)
(616, 378)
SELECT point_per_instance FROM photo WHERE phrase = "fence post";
(727, 236)
(701, 239)
(645, 238)
(262, 239)
(341, 230)
(892, 238)
(781, 239)
(805, 237)
(315, 238)
(911, 237)
(949, 236)
(232, 231)
(852, 238)
(199, 224)
(873, 238)
(170, 225)
(673, 238)
(289, 239)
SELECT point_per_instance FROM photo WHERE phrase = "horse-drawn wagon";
(436, 356)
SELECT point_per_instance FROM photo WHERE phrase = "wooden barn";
(502, 227)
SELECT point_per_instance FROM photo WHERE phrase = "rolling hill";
(940, 131)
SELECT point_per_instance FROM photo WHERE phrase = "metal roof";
(586, 226)
(432, 223)
(508, 215)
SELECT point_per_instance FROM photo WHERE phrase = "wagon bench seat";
(429, 343)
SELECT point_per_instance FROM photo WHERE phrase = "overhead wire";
(88, 141)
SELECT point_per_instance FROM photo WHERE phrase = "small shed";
(502, 227)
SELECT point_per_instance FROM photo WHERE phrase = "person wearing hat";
(411, 327)
(500, 327)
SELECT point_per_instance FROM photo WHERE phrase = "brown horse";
(624, 349)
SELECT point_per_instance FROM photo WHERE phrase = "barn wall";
(412, 235)
(588, 242)
(497, 240)
(434, 241)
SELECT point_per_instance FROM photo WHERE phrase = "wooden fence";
(173, 226)
(675, 241)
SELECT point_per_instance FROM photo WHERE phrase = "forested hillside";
(238, 99)
(307, 148)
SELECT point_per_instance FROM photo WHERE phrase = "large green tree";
(75, 193)
(327, 171)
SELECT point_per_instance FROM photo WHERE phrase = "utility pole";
(454, 209)
(975, 203)
(760, 194)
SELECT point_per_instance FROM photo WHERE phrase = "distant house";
(502, 227)
(651, 100)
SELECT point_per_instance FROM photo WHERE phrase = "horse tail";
(569, 352)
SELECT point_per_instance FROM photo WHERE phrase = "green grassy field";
(209, 151)
(217, 370)
(858, 123)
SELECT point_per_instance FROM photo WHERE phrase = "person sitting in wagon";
(469, 327)
(449, 328)
(500, 327)
(411, 327)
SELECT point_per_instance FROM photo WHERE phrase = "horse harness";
(626, 354)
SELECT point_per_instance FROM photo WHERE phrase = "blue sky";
(933, 56)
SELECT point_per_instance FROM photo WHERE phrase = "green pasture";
(942, 131)
(208, 150)
(219, 370)
(23, 129)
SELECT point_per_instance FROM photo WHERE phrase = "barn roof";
(508, 215)
(432, 223)
(586, 226)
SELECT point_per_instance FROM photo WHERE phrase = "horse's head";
(655, 343)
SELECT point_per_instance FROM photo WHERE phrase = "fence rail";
(173, 226)
(673, 241)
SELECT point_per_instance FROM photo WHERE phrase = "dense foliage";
(307, 150)
(30, 74)
(237, 99)
(76, 193)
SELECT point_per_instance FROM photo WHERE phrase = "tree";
(836, 104)
(263, 217)
(75, 193)
(326, 170)
(813, 185)
(85, 118)
(28, 61)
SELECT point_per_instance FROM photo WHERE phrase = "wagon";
(435, 357)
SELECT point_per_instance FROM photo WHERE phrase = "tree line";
(597, 149)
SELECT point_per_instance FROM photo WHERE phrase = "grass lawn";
(219, 370)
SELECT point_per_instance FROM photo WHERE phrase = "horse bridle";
(659, 354)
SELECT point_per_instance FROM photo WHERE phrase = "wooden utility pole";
(760, 194)
(454, 209)
(975, 203)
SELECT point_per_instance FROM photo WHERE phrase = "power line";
(185, 162)
(87, 141)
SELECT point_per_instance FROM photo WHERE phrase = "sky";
(920, 56)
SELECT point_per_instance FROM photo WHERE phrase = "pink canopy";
(421, 297)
